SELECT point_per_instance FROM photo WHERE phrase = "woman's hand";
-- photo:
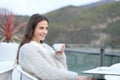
(61, 51)
(83, 78)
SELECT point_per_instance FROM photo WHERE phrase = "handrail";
(93, 51)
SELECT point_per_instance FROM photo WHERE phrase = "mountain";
(98, 3)
(84, 25)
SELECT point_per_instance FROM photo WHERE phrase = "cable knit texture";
(41, 61)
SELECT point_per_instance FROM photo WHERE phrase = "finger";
(59, 52)
(63, 47)
(88, 78)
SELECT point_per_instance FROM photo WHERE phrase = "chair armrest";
(6, 66)
(25, 73)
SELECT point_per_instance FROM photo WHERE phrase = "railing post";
(102, 55)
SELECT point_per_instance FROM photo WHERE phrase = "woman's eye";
(41, 27)
(47, 28)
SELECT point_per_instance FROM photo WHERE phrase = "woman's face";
(40, 31)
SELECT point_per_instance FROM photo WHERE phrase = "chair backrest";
(8, 51)
(19, 74)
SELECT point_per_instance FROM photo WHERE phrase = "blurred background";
(84, 26)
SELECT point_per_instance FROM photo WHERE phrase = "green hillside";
(85, 25)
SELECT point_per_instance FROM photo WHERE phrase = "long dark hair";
(28, 34)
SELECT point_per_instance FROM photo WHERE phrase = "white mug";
(57, 46)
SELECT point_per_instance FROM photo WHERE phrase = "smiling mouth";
(43, 36)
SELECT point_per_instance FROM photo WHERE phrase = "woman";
(39, 59)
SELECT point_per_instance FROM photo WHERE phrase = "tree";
(10, 26)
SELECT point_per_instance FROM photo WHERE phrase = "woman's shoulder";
(46, 45)
(26, 46)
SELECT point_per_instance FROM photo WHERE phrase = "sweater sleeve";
(32, 60)
(60, 58)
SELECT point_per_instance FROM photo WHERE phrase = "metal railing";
(80, 59)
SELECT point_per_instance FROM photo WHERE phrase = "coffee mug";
(57, 46)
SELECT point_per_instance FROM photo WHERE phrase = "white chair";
(114, 67)
(8, 52)
(6, 70)
(19, 74)
(9, 71)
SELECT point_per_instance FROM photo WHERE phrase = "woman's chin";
(41, 41)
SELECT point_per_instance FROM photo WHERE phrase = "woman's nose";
(45, 31)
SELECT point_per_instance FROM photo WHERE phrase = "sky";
(29, 7)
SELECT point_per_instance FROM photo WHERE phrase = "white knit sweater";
(41, 61)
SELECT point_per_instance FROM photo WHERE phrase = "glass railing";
(78, 60)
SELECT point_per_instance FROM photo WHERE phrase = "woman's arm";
(62, 59)
(60, 56)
